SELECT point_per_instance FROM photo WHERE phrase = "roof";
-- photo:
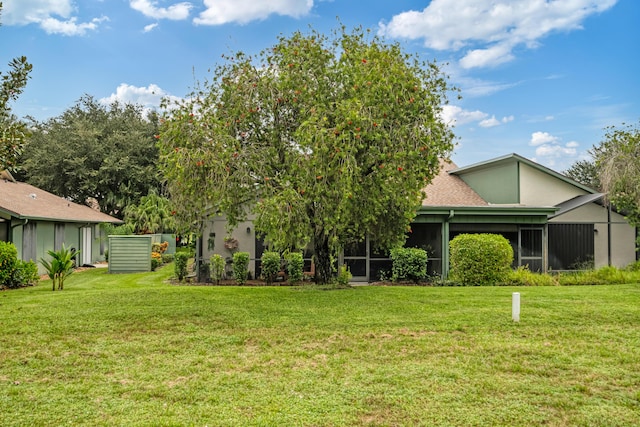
(24, 201)
(513, 157)
(450, 190)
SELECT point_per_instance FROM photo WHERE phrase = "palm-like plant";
(60, 266)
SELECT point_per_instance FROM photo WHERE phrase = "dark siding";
(570, 246)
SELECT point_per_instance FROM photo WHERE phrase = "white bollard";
(515, 307)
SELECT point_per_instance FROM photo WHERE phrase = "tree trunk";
(322, 259)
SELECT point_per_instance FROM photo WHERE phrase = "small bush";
(155, 263)
(159, 247)
(295, 266)
(480, 259)
(270, 262)
(408, 264)
(8, 261)
(241, 267)
(167, 258)
(180, 266)
(216, 268)
(26, 273)
(344, 276)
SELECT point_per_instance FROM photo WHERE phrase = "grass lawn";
(134, 350)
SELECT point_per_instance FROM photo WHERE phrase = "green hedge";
(480, 259)
(241, 267)
(270, 265)
(295, 266)
(408, 264)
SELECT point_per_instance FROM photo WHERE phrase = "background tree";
(618, 163)
(94, 151)
(13, 133)
(585, 172)
(151, 215)
(326, 140)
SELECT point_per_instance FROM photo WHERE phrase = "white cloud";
(491, 122)
(220, 12)
(454, 115)
(69, 27)
(177, 11)
(489, 30)
(149, 97)
(150, 27)
(555, 151)
(552, 152)
(542, 138)
(53, 16)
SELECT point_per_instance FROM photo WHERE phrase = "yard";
(135, 350)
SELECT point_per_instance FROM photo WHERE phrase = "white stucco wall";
(541, 189)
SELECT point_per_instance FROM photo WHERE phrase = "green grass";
(134, 350)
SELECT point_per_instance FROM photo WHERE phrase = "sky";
(540, 78)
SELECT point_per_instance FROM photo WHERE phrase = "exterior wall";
(497, 184)
(622, 234)
(538, 188)
(213, 241)
(45, 240)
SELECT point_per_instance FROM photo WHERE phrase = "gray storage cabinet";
(129, 254)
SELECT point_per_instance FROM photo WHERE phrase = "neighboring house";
(36, 221)
(551, 221)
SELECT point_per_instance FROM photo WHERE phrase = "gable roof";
(449, 190)
(24, 201)
(513, 157)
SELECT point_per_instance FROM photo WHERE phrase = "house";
(36, 221)
(552, 222)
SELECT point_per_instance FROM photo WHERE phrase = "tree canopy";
(94, 151)
(13, 133)
(325, 140)
(618, 163)
(151, 215)
(585, 172)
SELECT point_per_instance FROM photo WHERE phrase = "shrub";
(26, 273)
(241, 267)
(167, 258)
(295, 266)
(8, 261)
(408, 264)
(344, 276)
(15, 273)
(216, 268)
(270, 262)
(180, 266)
(480, 259)
(159, 247)
(155, 263)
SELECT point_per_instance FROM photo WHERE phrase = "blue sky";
(539, 78)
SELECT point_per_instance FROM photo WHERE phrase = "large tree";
(13, 133)
(585, 172)
(95, 152)
(326, 140)
(618, 163)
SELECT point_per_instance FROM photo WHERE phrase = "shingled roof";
(450, 190)
(24, 201)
